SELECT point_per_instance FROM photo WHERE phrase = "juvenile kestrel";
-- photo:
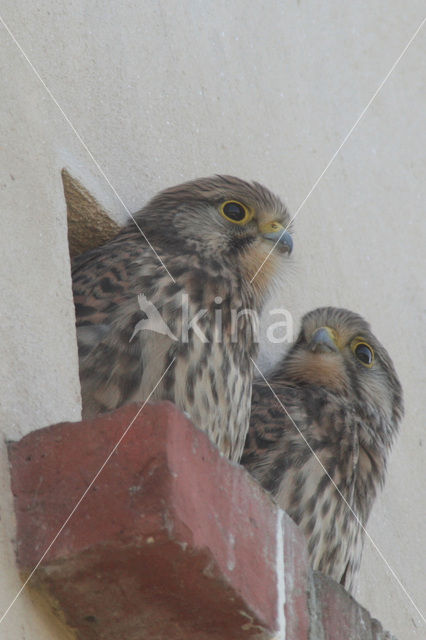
(212, 235)
(340, 390)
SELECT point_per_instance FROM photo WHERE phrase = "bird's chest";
(322, 498)
(209, 351)
(213, 376)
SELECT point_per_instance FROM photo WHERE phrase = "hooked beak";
(275, 232)
(324, 340)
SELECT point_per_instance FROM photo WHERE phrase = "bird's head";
(336, 349)
(222, 219)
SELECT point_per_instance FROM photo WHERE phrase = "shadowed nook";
(89, 225)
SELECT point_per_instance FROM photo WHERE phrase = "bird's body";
(211, 235)
(320, 445)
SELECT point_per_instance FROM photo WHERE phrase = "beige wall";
(166, 91)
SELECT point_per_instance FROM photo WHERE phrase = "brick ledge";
(171, 541)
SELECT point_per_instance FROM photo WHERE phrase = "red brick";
(296, 571)
(378, 632)
(172, 540)
(339, 615)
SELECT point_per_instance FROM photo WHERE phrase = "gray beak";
(283, 238)
(323, 340)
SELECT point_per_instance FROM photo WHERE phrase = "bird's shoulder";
(285, 413)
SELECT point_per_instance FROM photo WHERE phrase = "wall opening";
(89, 225)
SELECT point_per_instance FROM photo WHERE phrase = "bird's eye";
(236, 212)
(363, 352)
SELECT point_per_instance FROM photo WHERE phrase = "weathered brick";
(172, 540)
(336, 615)
(378, 632)
(296, 571)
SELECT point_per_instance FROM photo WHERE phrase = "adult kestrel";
(325, 459)
(198, 316)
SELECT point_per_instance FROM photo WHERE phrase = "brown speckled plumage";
(349, 414)
(209, 257)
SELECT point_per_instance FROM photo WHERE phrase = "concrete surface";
(166, 91)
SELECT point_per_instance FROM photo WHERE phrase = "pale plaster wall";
(165, 91)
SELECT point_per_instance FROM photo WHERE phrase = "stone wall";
(153, 93)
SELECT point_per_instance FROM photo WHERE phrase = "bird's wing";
(273, 441)
(293, 453)
(106, 284)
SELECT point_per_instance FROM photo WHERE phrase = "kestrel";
(188, 308)
(325, 459)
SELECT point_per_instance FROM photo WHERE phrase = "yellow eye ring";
(363, 352)
(236, 212)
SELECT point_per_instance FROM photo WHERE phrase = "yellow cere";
(271, 227)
